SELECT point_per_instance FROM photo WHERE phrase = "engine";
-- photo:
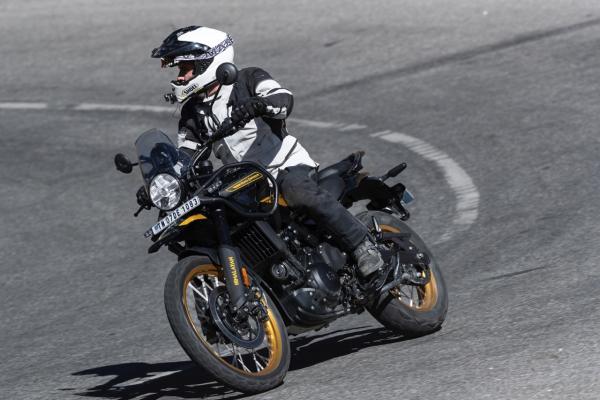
(316, 293)
(321, 289)
(307, 274)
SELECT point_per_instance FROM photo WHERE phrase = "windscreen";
(157, 154)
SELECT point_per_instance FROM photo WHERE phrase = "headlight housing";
(165, 191)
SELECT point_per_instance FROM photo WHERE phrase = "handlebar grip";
(226, 129)
(396, 170)
(393, 172)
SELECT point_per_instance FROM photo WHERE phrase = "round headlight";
(165, 191)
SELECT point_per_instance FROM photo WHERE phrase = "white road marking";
(314, 124)
(467, 195)
(327, 125)
(467, 206)
(352, 127)
(23, 106)
(377, 134)
(123, 107)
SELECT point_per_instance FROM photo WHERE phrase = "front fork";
(243, 298)
(231, 261)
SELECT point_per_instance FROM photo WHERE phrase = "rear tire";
(415, 317)
(197, 336)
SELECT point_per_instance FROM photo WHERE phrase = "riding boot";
(368, 257)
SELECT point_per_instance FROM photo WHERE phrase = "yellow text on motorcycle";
(245, 181)
(234, 274)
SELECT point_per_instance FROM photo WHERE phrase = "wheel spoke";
(406, 294)
(212, 282)
(261, 357)
(259, 366)
(204, 288)
(402, 291)
(421, 294)
(411, 295)
(242, 362)
(199, 293)
(237, 357)
(233, 354)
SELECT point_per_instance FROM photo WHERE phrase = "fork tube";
(230, 260)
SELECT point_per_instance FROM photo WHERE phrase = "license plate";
(173, 216)
(407, 197)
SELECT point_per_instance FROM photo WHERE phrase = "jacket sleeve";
(278, 99)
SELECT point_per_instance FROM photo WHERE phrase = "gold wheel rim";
(426, 295)
(258, 362)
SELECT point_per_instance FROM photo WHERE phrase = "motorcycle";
(251, 271)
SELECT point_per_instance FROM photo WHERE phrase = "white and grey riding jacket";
(264, 139)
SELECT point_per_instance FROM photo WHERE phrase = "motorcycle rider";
(258, 105)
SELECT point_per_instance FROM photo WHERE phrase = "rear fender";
(378, 192)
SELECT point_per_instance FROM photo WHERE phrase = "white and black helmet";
(207, 48)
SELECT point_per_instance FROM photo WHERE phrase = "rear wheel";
(410, 309)
(252, 356)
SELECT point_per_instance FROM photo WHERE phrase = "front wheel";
(409, 309)
(251, 356)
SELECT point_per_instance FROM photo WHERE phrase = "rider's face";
(186, 71)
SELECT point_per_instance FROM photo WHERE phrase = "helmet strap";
(212, 115)
(214, 98)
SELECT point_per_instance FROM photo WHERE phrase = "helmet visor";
(198, 67)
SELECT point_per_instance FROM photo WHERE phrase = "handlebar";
(393, 172)
(227, 128)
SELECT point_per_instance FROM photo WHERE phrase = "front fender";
(210, 252)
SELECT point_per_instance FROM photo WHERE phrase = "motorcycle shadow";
(310, 350)
(186, 380)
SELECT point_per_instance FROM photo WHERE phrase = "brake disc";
(248, 334)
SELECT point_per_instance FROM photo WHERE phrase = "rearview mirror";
(123, 164)
(227, 74)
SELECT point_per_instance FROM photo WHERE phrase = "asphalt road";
(509, 91)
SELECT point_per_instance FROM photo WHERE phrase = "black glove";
(249, 109)
(143, 199)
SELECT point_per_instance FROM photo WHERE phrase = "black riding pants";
(300, 190)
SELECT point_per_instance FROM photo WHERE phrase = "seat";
(331, 178)
(350, 164)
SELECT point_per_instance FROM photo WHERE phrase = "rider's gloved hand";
(244, 112)
(142, 198)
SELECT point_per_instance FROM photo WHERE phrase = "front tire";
(187, 291)
(410, 310)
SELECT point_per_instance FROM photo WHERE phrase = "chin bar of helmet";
(171, 98)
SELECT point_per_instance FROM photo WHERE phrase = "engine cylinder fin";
(259, 244)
